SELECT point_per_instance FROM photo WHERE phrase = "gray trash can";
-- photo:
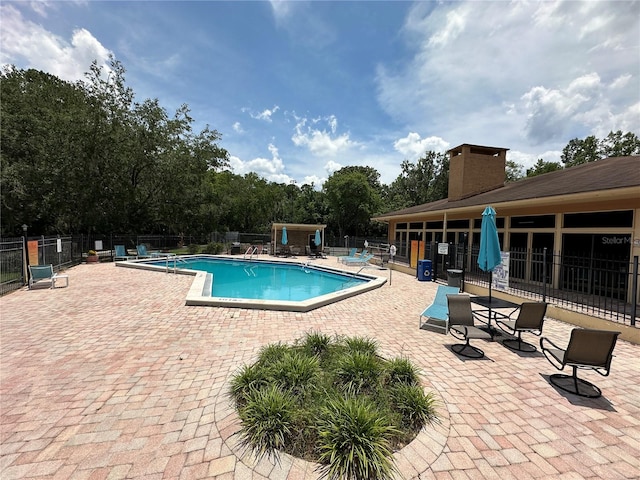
(454, 278)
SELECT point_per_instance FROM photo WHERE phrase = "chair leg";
(575, 385)
(459, 348)
(518, 345)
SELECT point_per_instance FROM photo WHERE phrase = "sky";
(300, 89)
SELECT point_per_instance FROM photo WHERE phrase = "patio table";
(491, 306)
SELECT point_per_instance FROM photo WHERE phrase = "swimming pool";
(262, 284)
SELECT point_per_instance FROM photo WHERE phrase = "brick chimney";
(475, 169)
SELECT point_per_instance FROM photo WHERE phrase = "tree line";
(84, 157)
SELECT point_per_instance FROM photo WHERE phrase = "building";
(591, 211)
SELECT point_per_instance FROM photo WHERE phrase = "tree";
(352, 201)
(84, 157)
(618, 144)
(543, 167)
(422, 182)
(513, 172)
(579, 151)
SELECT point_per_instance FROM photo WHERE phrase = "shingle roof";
(605, 174)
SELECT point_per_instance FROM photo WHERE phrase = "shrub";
(415, 407)
(400, 371)
(358, 373)
(267, 421)
(334, 402)
(193, 249)
(316, 343)
(213, 248)
(295, 372)
(354, 440)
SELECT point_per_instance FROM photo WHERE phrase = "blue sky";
(300, 89)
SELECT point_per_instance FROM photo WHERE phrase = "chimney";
(475, 169)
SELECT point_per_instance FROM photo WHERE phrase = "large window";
(599, 219)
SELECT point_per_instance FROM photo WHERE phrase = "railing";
(251, 251)
(601, 287)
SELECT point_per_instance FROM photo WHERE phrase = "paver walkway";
(113, 377)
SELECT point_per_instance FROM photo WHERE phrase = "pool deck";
(114, 377)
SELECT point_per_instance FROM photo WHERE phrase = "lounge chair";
(44, 273)
(142, 252)
(353, 256)
(462, 326)
(530, 319)
(364, 260)
(122, 254)
(587, 349)
(437, 314)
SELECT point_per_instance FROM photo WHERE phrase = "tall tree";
(579, 151)
(352, 201)
(617, 144)
(543, 167)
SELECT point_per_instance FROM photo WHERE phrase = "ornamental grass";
(333, 401)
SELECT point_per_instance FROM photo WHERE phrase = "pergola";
(297, 233)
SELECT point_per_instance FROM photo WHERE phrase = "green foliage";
(400, 371)
(362, 345)
(267, 421)
(351, 199)
(616, 144)
(272, 353)
(150, 166)
(415, 407)
(543, 167)
(295, 372)
(334, 401)
(358, 372)
(316, 343)
(213, 248)
(246, 381)
(423, 182)
(354, 440)
(193, 248)
(157, 174)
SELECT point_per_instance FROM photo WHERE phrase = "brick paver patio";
(114, 377)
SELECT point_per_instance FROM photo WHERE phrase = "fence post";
(634, 292)
(544, 274)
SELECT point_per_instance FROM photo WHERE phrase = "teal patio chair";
(122, 254)
(437, 314)
(44, 273)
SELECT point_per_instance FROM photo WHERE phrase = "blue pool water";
(269, 280)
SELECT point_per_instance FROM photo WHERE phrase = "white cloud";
(332, 166)
(31, 45)
(265, 114)
(272, 169)
(413, 147)
(237, 127)
(321, 142)
(525, 75)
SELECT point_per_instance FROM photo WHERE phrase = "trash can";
(454, 278)
(235, 248)
(424, 270)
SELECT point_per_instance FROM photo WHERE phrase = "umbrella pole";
(490, 282)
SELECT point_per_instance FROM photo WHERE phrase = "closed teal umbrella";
(489, 257)
(284, 235)
(317, 240)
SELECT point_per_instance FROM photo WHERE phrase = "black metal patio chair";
(587, 349)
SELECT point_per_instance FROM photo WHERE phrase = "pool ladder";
(176, 260)
(251, 251)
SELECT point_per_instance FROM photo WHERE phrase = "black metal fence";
(602, 287)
